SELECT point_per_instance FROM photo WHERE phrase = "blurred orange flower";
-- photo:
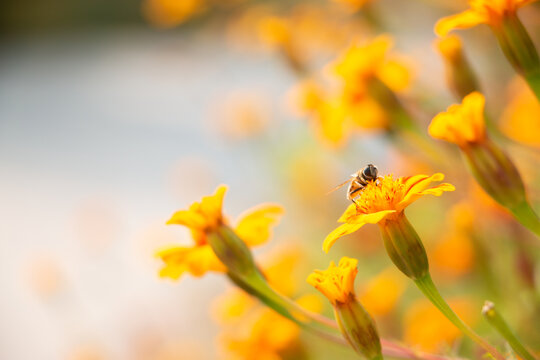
(363, 61)
(253, 227)
(489, 12)
(456, 241)
(382, 292)
(427, 328)
(521, 118)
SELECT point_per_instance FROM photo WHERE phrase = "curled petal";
(436, 191)
(187, 218)
(463, 20)
(354, 223)
(418, 183)
(211, 205)
(342, 230)
(462, 123)
(255, 225)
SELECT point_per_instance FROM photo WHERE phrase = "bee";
(358, 181)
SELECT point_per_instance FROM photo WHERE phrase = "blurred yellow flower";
(264, 337)
(521, 118)
(460, 247)
(253, 227)
(337, 116)
(336, 282)
(456, 241)
(489, 12)
(169, 13)
(427, 328)
(449, 46)
(384, 201)
(362, 62)
(382, 293)
(275, 30)
(461, 124)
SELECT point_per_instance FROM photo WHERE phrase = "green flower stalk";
(519, 49)
(497, 321)
(495, 172)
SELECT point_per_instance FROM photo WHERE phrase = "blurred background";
(113, 115)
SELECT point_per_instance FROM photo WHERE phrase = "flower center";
(381, 195)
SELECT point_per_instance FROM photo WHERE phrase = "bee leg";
(355, 203)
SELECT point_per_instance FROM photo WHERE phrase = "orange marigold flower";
(364, 61)
(521, 118)
(489, 12)
(206, 217)
(381, 293)
(426, 327)
(383, 201)
(461, 124)
(336, 282)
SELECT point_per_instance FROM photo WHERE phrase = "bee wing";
(339, 186)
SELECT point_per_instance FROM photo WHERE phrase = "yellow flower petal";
(464, 20)
(395, 74)
(349, 213)
(195, 260)
(342, 230)
(336, 282)
(255, 225)
(211, 205)
(461, 124)
(372, 218)
(352, 225)
(187, 218)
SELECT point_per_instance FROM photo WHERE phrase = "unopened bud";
(358, 328)
(404, 247)
(496, 173)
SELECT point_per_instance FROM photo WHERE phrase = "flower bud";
(496, 173)
(358, 328)
(404, 247)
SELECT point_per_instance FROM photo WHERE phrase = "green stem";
(525, 214)
(497, 321)
(534, 83)
(426, 285)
